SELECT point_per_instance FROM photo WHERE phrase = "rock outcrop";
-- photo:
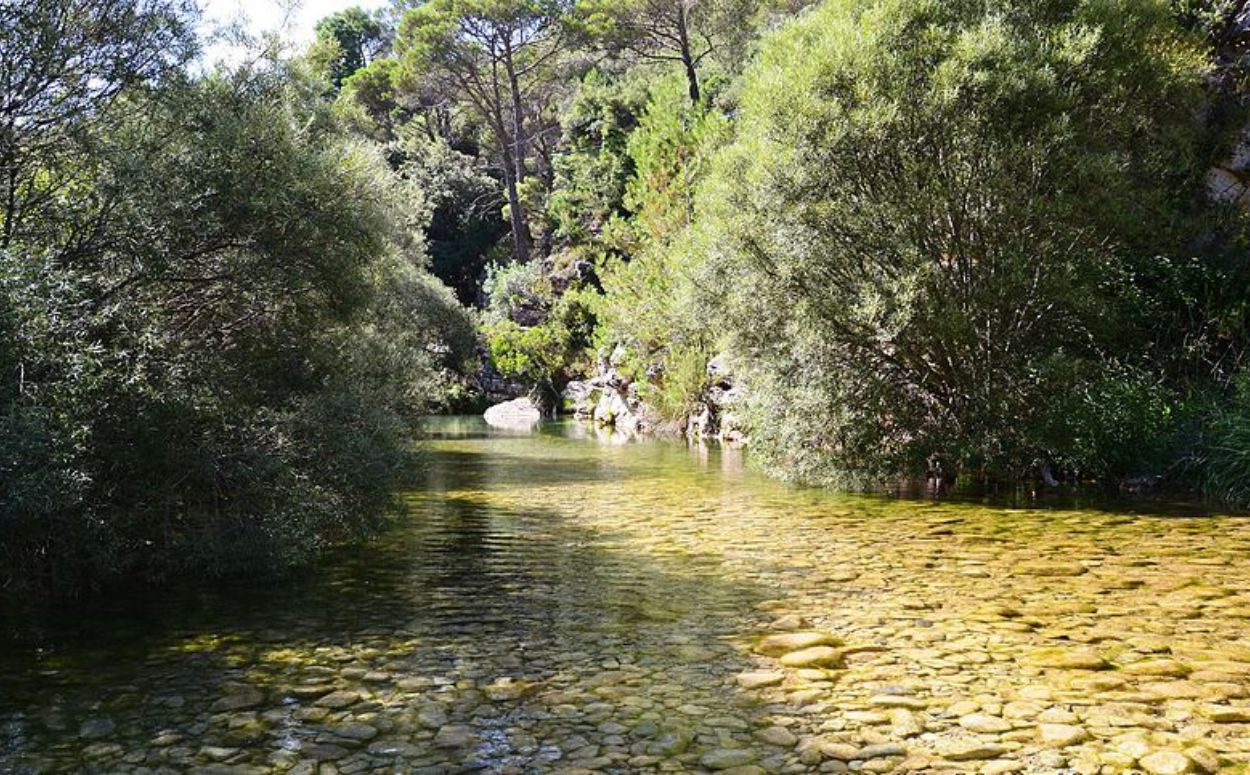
(608, 399)
(611, 399)
(716, 416)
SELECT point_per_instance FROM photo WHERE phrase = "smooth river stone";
(969, 750)
(1065, 659)
(816, 656)
(789, 622)
(903, 723)
(726, 758)
(338, 700)
(1225, 714)
(246, 697)
(1166, 763)
(455, 736)
(758, 680)
(94, 729)
(984, 723)
(776, 645)
(778, 736)
(1166, 668)
(1061, 735)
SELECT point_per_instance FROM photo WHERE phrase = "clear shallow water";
(555, 602)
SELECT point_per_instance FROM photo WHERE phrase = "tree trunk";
(520, 146)
(516, 211)
(687, 58)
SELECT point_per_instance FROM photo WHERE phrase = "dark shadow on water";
(455, 591)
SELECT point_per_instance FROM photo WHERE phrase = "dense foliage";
(945, 226)
(908, 236)
(962, 236)
(217, 331)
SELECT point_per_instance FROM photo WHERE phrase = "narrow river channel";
(557, 602)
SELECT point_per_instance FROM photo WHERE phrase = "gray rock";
(338, 700)
(455, 736)
(726, 758)
(96, 728)
(240, 699)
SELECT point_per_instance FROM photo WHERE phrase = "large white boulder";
(518, 413)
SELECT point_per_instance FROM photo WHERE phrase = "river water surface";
(557, 602)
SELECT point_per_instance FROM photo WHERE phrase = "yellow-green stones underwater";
(551, 603)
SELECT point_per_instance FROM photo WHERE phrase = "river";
(554, 601)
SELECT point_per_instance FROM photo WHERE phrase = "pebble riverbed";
(556, 603)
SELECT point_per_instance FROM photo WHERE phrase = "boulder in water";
(517, 413)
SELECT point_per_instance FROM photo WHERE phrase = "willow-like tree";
(63, 64)
(493, 55)
(937, 226)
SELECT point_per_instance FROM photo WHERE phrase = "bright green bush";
(534, 355)
(927, 235)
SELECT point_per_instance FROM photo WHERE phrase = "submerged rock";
(726, 758)
(240, 699)
(776, 645)
(1166, 763)
(455, 736)
(816, 656)
(1066, 659)
(338, 700)
(778, 736)
(96, 728)
(981, 722)
(759, 680)
(1061, 735)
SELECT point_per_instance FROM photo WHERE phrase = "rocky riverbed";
(553, 604)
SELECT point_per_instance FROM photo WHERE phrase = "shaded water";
(554, 602)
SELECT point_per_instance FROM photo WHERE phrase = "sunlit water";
(557, 602)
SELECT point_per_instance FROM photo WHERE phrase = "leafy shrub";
(928, 206)
(534, 355)
(222, 340)
(517, 291)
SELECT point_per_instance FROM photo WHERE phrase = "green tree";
(592, 173)
(217, 330)
(682, 31)
(934, 222)
(492, 55)
(348, 41)
(64, 64)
